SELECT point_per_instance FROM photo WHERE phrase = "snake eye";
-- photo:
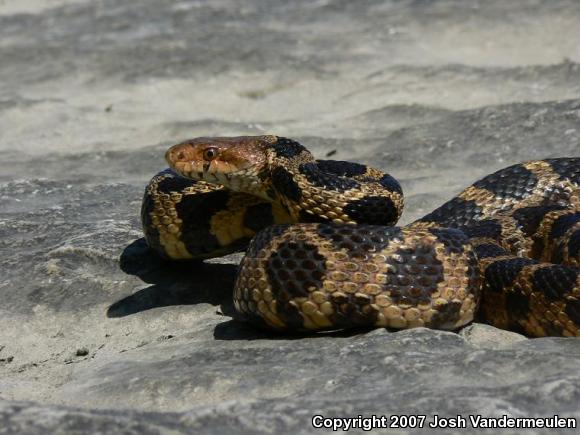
(210, 153)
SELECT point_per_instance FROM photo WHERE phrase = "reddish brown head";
(230, 161)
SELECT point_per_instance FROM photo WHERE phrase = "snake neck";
(336, 191)
(282, 171)
(275, 179)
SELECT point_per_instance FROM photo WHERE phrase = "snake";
(323, 252)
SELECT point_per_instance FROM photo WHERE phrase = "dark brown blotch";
(326, 180)
(289, 278)
(258, 216)
(391, 184)
(456, 212)
(517, 305)
(563, 224)
(353, 311)
(530, 218)
(341, 168)
(373, 210)
(488, 250)
(287, 148)
(572, 309)
(446, 315)
(574, 245)
(514, 183)
(359, 240)
(452, 239)
(567, 168)
(196, 212)
(554, 281)
(501, 275)
(285, 184)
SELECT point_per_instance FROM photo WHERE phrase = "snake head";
(234, 162)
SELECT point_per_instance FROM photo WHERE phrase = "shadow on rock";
(239, 330)
(193, 282)
(174, 283)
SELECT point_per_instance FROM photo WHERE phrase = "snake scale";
(322, 251)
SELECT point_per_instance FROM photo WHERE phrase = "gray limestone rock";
(99, 335)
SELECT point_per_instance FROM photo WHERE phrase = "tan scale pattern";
(297, 279)
(545, 317)
(328, 205)
(227, 225)
(551, 245)
(407, 284)
(320, 202)
(165, 219)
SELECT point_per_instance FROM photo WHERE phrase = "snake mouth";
(212, 173)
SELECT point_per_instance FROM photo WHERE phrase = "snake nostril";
(180, 155)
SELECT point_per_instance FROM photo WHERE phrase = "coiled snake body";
(322, 252)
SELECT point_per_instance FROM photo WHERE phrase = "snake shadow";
(173, 283)
(239, 330)
(193, 282)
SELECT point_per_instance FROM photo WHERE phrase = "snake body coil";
(322, 252)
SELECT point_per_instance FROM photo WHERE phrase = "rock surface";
(100, 335)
